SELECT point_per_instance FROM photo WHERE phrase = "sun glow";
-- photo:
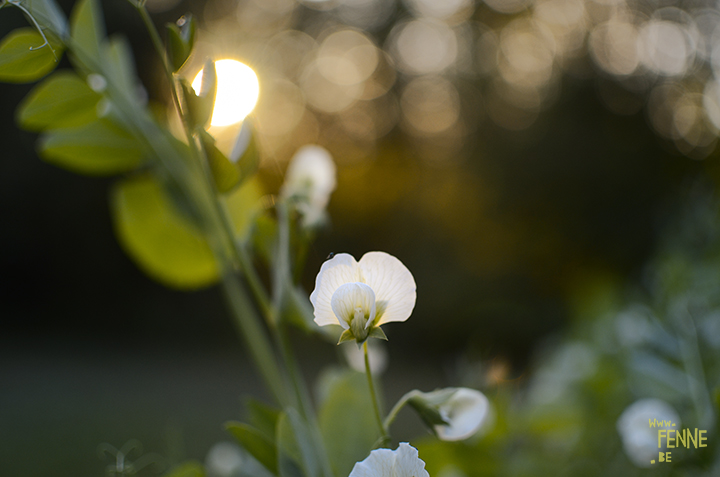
(237, 92)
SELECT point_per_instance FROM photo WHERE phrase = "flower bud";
(453, 414)
(309, 181)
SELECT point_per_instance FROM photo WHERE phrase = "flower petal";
(466, 411)
(340, 269)
(408, 462)
(350, 296)
(393, 284)
(402, 462)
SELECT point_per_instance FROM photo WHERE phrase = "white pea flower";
(309, 180)
(640, 441)
(361, 296)
(402, 462)
(454, 414)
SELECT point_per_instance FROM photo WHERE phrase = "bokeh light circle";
(237, 92)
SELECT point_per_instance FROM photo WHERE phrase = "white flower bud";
(640, 441)
(453, 413)
(309, 181)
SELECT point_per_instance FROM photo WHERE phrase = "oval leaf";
(161, 241)
(97, 148)
(256, 443)
(63, 100)
(347, 421)
(86, 28)
(24, 59)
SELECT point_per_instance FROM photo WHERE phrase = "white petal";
(403, 462)
(311, 172)
(408, 463)
(340, 269)
(393, 284)
(350, 296)
(466, 410)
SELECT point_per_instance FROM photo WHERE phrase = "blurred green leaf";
(296, 454)
(186, 469)
(264, 234)
(243, 204)
(199, 107)
(48, 15)
(256, 443)
(120, 66)
(224, 172)
(87, 29)
(288, 451)
(181, 39)
(97, 148)
(347, 421)
(245, 154)
(297, 309)
(160, 240)
(263, 417)
(23, 59)
(63, 100)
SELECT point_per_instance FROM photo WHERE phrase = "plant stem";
(253, 335)
(384, 437)
(396, 409)
(220, 230)
(160, 50)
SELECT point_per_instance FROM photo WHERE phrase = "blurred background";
(517, 155)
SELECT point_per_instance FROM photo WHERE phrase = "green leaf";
(186, 469)
(264, 235)
(347, 421)
(87, 29)
(245, 153)
(290, 459)
(48, 15)
(161, 241)
(120, 66)
(24, 59)
(61, 101)
(263, 417)
(181, 39)
(256, 443)
(224, 172)
(200, 106)
(244, 204)
(98, 148)
(298, 310)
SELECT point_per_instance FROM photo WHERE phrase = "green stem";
(253, 335)
(220, 228)
(396, 409)
(384, 437)
(160, 50)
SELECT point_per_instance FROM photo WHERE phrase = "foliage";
(187, 213)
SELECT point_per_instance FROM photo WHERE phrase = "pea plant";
(187, 213)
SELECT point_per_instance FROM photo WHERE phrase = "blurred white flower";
(377, 355)
(402, 462)
(223, 459)
(640, 441)
(361, 296)
(454, 413)
(309, 181)
(466, 411)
